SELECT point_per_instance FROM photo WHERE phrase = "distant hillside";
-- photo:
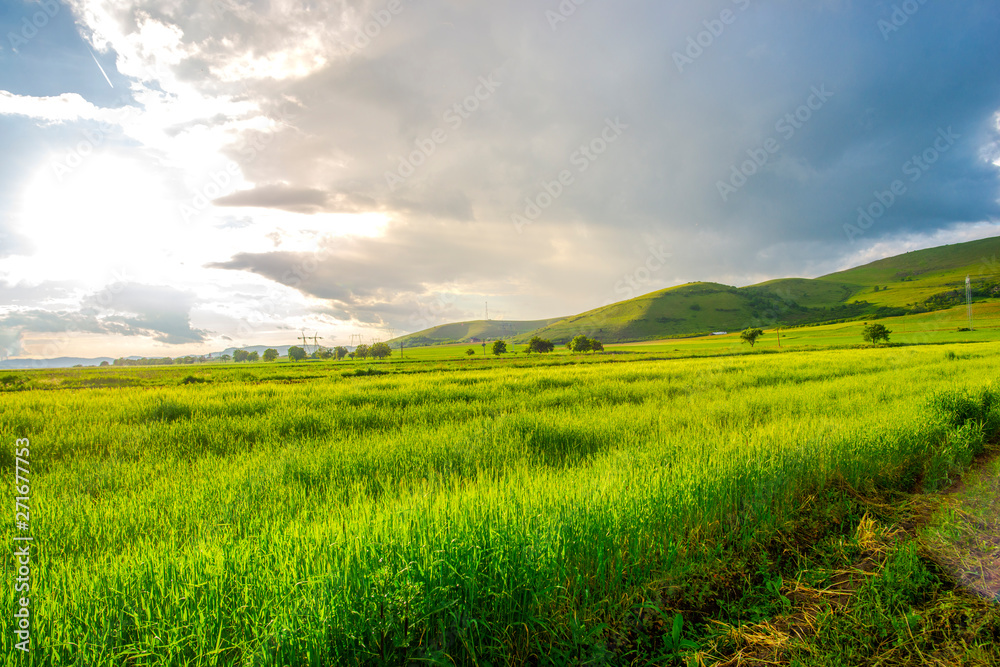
(917, 276)
(60, 362)
(703, 308)
(695, 307)
(467, 332)
(914, 282)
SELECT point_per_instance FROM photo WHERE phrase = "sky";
(184, 176)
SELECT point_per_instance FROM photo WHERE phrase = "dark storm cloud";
(846, 101)
(841, 108)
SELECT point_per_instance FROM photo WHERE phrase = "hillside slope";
(465, 332)
(695, 307)
(914, 282)
(914, 277)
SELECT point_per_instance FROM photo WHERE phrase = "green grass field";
(572, 509)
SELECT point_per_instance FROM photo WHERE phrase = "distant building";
(719, 333)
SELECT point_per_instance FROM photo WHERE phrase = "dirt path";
(963, 534)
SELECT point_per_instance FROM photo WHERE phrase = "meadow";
(599, 509)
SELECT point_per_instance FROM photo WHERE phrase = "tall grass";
(497, 515)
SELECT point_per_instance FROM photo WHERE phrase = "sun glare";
(84, 222)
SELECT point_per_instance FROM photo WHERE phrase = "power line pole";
(968, 298)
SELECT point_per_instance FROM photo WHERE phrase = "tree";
(225, 357)
(751, 335)
(499, 347)
(270, 354)
(580, 343)
(340, 351)
(240, 355)
(875, 332)
(596, 345)
(105, 363)
(470, 352)
(361, 351)
(296, 353)
(253, 356)
(540, 345)
(380, 351)
(325, 353)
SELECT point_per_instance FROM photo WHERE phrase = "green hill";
(915, 277)
(812, 293)
(467, 332)
(685, 309)
(914, 282)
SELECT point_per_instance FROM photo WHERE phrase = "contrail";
(101, 68)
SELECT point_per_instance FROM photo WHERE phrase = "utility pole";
(968, 299)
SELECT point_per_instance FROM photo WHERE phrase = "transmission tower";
(316, 343)
(305, 341)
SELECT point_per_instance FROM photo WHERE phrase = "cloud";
(62, 108)
(25, 294)
(164, 313)
(286, 198)
(419, 273)
(161, 313)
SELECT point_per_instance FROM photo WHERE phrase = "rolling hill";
(914, 282)
(467, 332)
